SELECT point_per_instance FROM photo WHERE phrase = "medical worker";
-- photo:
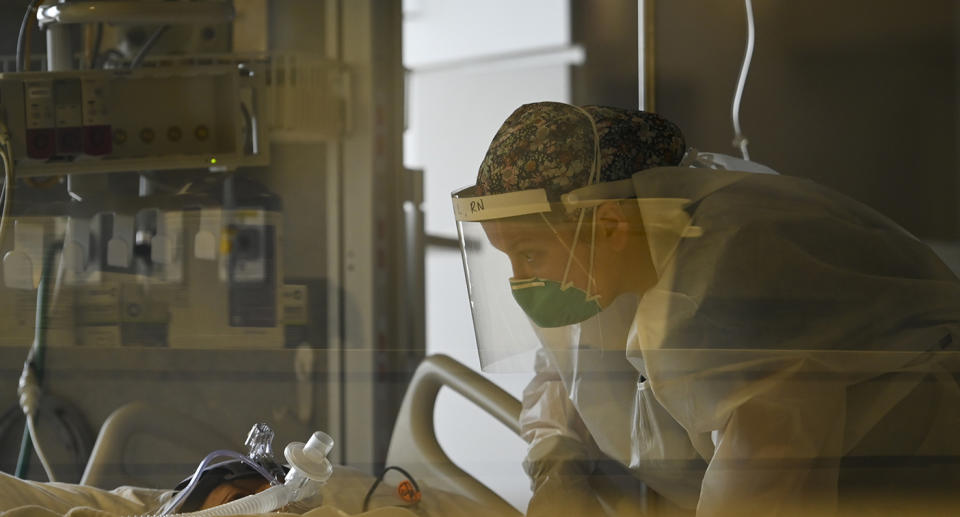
(743, 343)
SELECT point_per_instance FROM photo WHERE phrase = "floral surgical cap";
(550, 145)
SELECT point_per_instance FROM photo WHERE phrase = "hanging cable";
(145, 49)
(95, 47)
(739, 140)
(23, 44)
(33, 368)
(7, 192)
(44, 462)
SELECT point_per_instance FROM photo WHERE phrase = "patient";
(343, 495)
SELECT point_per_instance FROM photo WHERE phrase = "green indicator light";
(213, 161)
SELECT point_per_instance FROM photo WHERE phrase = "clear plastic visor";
(532, 270)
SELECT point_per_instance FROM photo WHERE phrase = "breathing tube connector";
(260, 446)
(309, 470)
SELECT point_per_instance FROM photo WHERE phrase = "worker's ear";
(612, 225)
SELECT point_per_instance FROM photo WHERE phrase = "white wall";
(453, 114)
(471, 65)
(442, 31)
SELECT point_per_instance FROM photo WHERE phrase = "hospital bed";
(448, 489)
(413, 445)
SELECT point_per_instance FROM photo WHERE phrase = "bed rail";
(107, 467)
(414, 444)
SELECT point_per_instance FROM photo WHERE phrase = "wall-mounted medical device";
(204, 277)
(146, 119)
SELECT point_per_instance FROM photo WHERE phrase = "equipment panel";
(120, 120)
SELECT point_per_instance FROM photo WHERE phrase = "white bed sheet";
(343, 495)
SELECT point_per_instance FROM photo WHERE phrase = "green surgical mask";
(549, 305)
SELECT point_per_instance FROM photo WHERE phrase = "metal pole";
(645, 55)
(641, 62)
(59, 50)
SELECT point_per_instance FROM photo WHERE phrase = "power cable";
(22, 43)
(408, 490)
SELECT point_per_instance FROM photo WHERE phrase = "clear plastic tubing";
(182, 496)
(309, 470)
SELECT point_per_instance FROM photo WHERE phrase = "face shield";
(534, 262)
(534, 268)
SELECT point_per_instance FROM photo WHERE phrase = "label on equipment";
(294, 299)
(40, 113)
(95, 110)
(67, 99)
